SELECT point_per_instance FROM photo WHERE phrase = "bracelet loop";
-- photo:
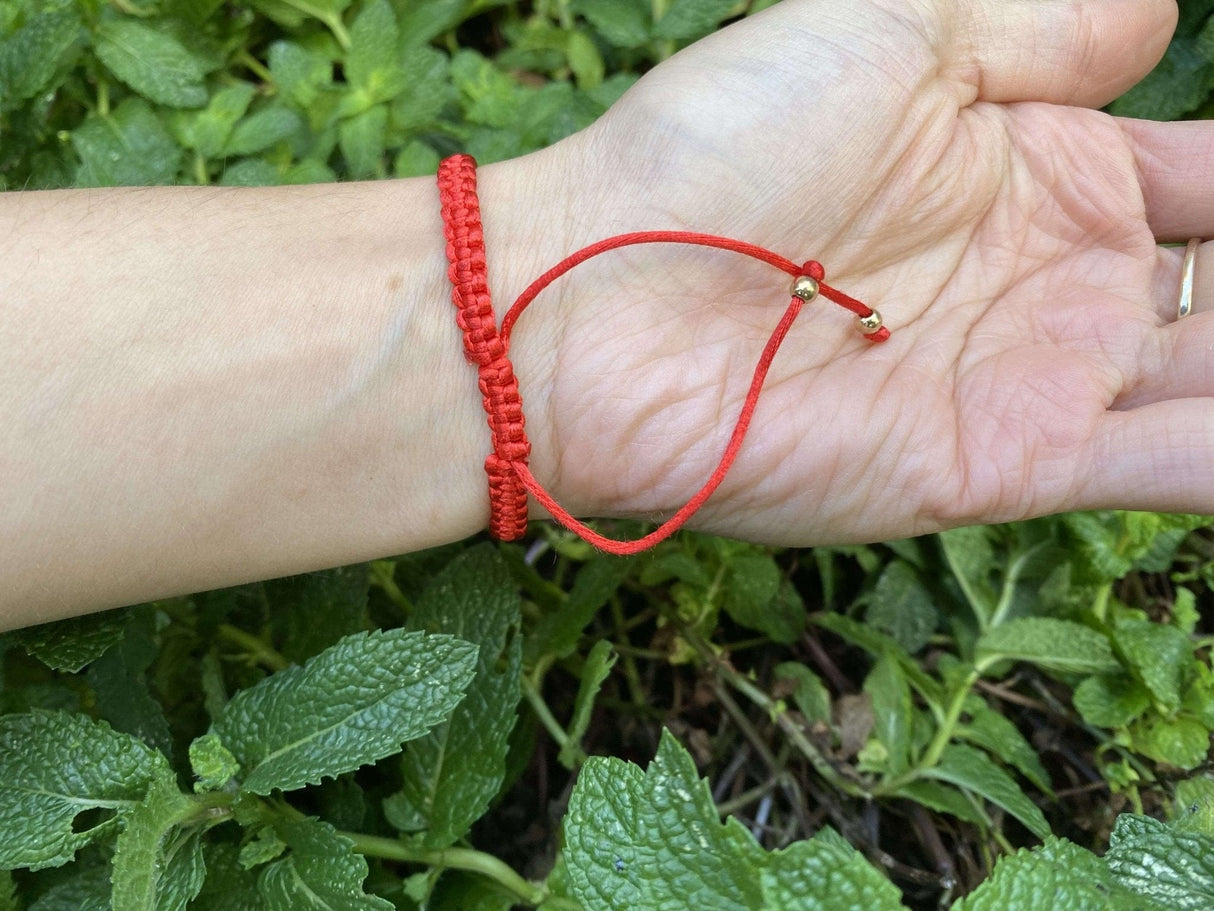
(510, 477)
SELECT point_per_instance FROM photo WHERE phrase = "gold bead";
(869, 324)
(805, 288)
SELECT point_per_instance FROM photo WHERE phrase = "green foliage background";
(883, 727)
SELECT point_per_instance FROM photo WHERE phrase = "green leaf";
(941, 798)
(251, 172)
(299, 72)
(151, 62)
(373, 63)
(997, 735)
(119, 679)
(258, 132)
(892, 712)
(156, 867)
(690, 19)
(130, 147)
(458, 891)
(30, 56)
(228, 886)
(624, 23)
(352, 704)
(1056, 875)
(752, 597)
(8, 892)
(558, 631)
(361, 138)
(584, 60)
(968, 768)
(213, 765)
(810, 694)
(427, 90)
(1158, 654)
(1183, 742)
(825, 874)
(970, 553)
(653, 840)
(597, 667)
(900, 606)
(55, 766)
(878, 644)
(1111, 700)
(1057, 645)
(88, 890)
(322, 872)
(69, 645)
(207, 131)
(320, 607)
(1175, 869)
(450, 775)
(415, 159)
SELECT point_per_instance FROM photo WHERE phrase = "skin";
(204, 387)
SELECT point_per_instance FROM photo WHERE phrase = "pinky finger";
(1158, 457)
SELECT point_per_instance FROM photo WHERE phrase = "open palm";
(944, 162)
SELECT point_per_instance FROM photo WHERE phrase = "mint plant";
(1008, 717)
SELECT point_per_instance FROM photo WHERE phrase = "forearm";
(202, 386)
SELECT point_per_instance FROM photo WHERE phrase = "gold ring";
(1186, 278)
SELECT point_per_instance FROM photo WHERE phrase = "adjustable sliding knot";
(510, 477)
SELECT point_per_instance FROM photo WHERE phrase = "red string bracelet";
(510, 478)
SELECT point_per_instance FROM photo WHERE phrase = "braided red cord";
(510, 478)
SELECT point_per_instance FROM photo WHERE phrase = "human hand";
(944, 162)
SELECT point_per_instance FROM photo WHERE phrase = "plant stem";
(457, 859)
(535, 699)
(254, 646)
(254, 66)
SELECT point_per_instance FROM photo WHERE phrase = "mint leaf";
(228, 886)
(323, 606)
(689, 19)
(207, 131)
(1056, 875)
(30, 56)
(941, 798)
(55, 766)
(968, 768)
(653, 839)
(1176, 86)
(299, 72)
(900, 606)
(415, 159)
(88, 890)
(458, 891)
(1158, 654)
(352, 704)
(1111, 700)
(69, 645)
(997, 735)
(1175, 869)
(156, 867)
(558, 631)
(624, 23)
(8, 892)
(892, 712)
(450, 775)
(258, 132)
(757, 597)
(825, 874)
(372, 64)
(595, 670)
(1183, 742)
(1058, 645)
(362, 141)
(119, 680)
(151, 62)
(810, 694)
(970, 553)
(130, 147)
(322, 872)
(213, 765)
